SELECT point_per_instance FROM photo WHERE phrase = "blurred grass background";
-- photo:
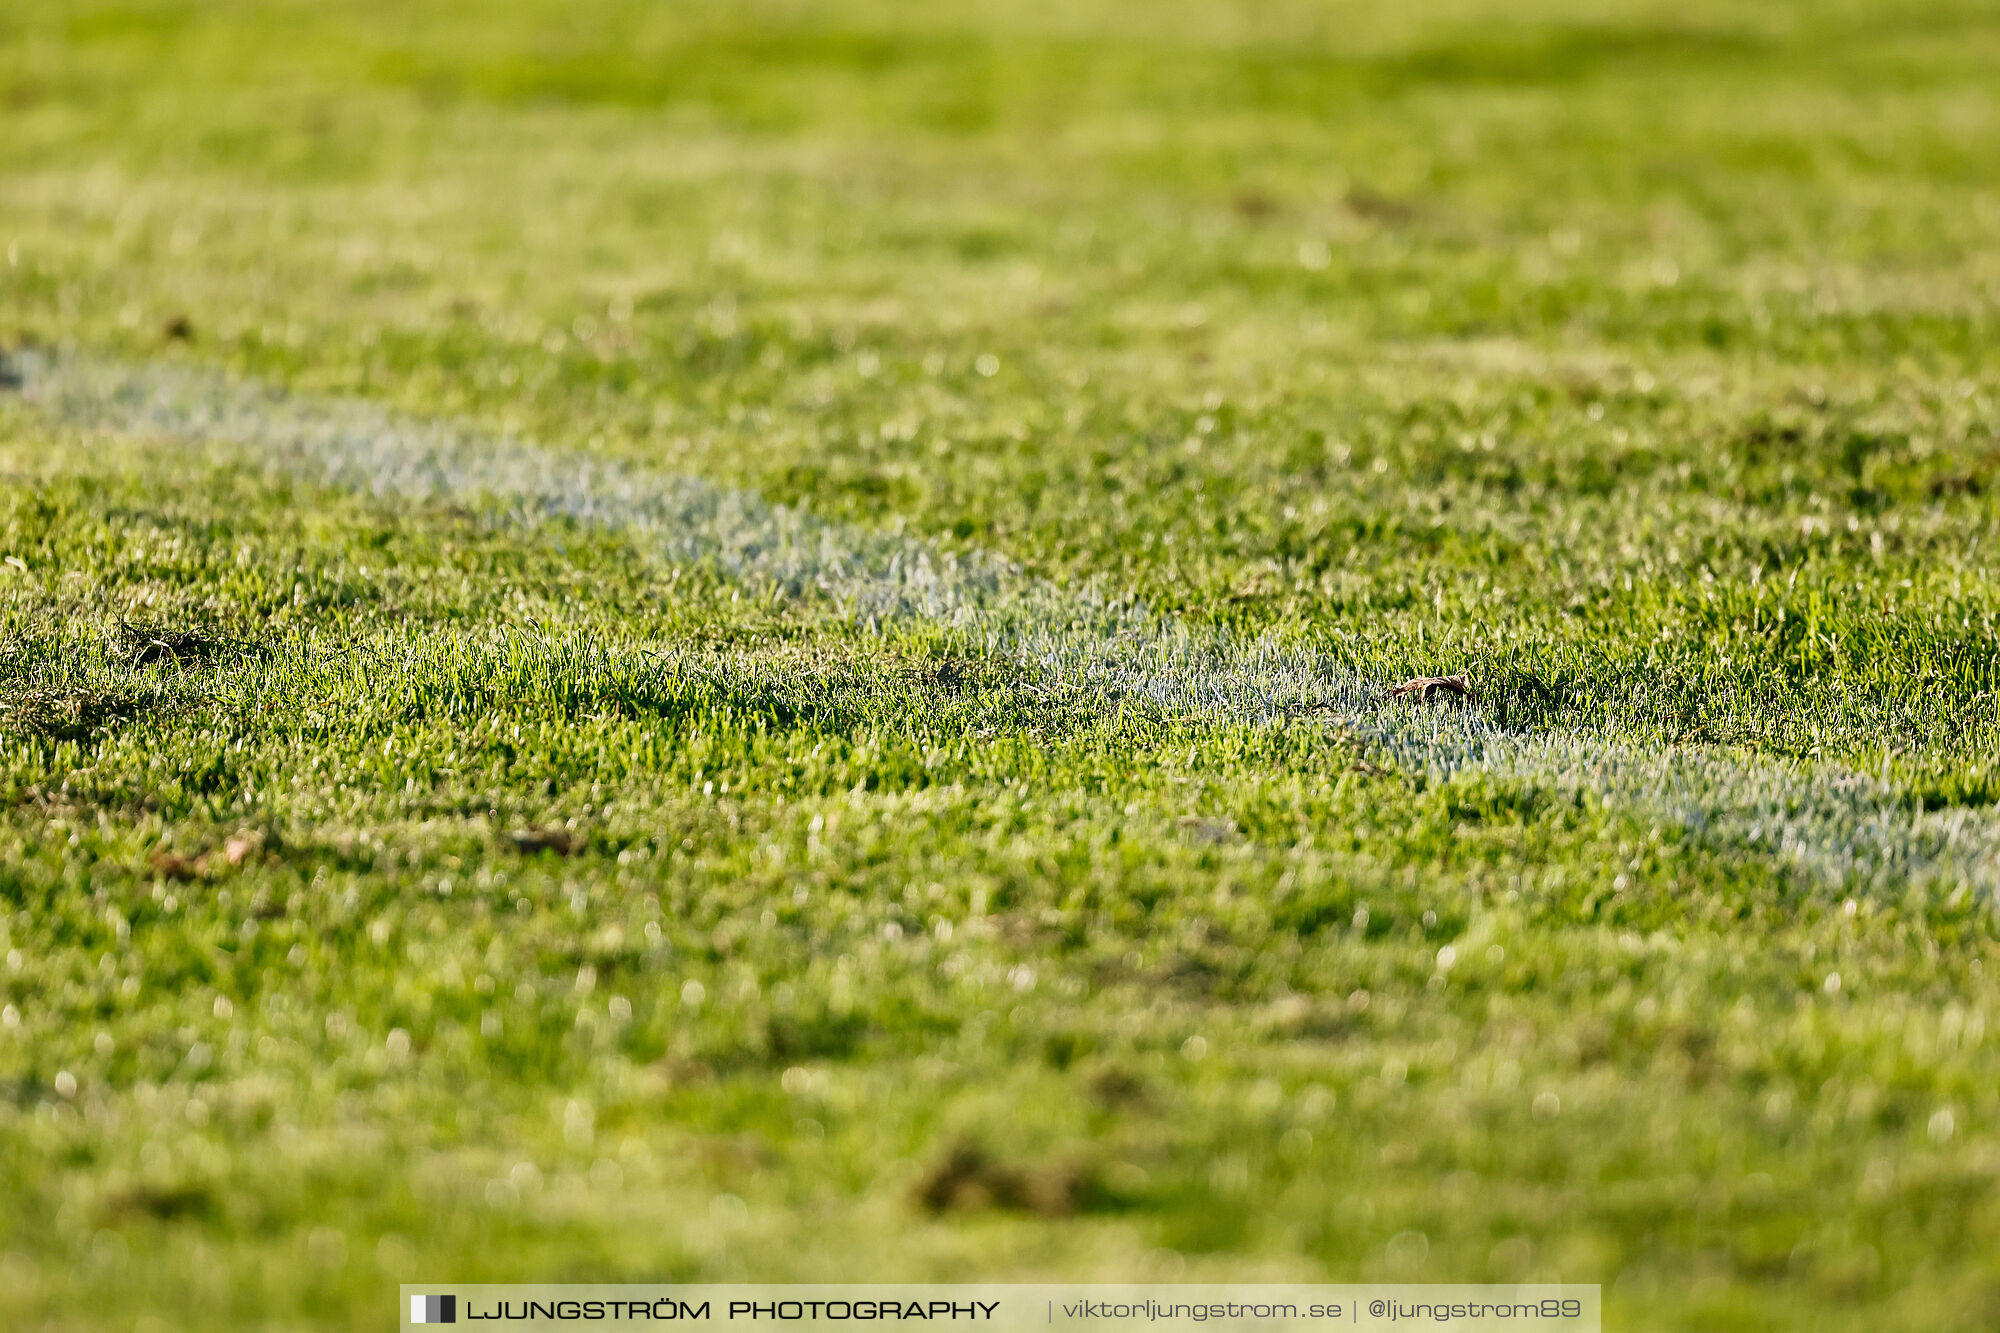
(1645, 347)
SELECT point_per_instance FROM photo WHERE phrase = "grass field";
(653, 642)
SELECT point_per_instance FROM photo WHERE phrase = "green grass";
(397, 890)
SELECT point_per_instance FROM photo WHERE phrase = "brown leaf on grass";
(561, 841)
(172, 865)
(1366, 203)
(1255, 205)
(1426, 688)
(1197, 828)
(164, 1202)
(968, 1180)
(1118, 1088)
(238, 849)
(679, 1072)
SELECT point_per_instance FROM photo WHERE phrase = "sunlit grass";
(391, 888)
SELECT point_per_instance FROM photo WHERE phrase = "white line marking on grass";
(1838, 826)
